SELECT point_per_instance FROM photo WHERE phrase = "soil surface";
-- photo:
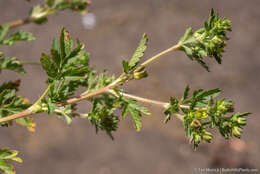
(57, 148)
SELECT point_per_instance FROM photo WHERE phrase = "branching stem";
(141, 99)
(120, 79)
(30, 110)
(86, 96)
(19, 22)
(24, 113)
(107, 89)
(40, 99)
(145, 100)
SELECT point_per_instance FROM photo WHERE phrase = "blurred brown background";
(57, 148)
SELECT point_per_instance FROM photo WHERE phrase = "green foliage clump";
(138, 54)
(68, 71)
(39, 14)
(203, 112)
(11, 63)
(5, 156)
(209, 41)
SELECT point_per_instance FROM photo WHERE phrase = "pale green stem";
(141, 99)
(165, 105)
(173, 48)
(39, 99)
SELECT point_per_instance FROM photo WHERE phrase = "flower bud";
(236, 131)
(140, 73)
(224, 106)
(226, 124)
(241, 121)
(207, 136)
(195, 124)
(196, 138)
(201, 114)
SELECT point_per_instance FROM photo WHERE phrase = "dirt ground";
(57, 148)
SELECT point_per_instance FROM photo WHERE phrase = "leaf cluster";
(103, 113)
(10, 104)
(11, 63)
(202, 112)
(208, 41)
(130, 68)
(39, 14)
(7, 155)
(135, 110)
(14, 37)
(138, 54)
(68, 69)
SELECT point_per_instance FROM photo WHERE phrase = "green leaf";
(54, 44)
(126, 67)
(10, 85)
(5, 156)
(11, 63)
(135, 110)
(172, 109)
(27, 122)
(49, 66)
(3, 30)
(187, 37)
(206, 94)
(136, 118)
(186, 93)
(51, 106)
(56, 57)
(209, 41)
(17, 37)
(65, 44)
(11, 104)
(102, 113)
(201, 98)
(74, 71)
(65, 62)
(138, 54)
(50, 3)
(66, 113)
(75, 5)
(76, 51)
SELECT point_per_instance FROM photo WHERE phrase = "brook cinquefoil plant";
(67, 69)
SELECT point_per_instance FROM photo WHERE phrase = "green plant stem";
(171, 49)
(30, 110)
(106, 89)
(40, 99)
(145, 100)
(141, 99)
(86, 96)
(24, 113)
(20, 22)
(164, 105)
(27, 112)
(120, 79)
